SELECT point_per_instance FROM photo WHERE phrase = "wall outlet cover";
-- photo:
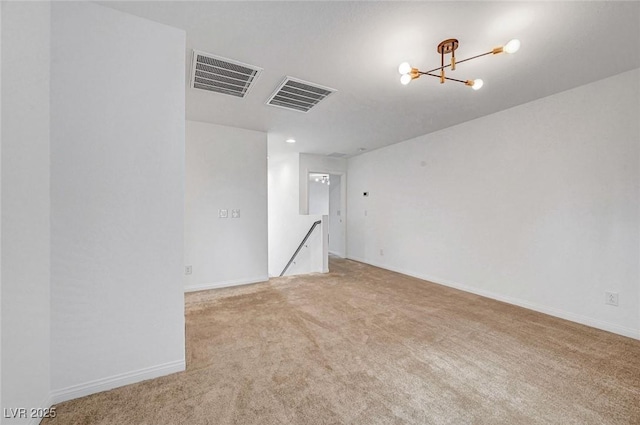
(235, 213)
(188, 269)
(611, 298)
(223, 213)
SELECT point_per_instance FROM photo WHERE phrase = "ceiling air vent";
(337, 155)
(221, 75)
(298, 95)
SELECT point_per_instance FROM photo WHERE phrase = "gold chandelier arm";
(446, 78)
(453, 60)
(476, 56)
(459, 61)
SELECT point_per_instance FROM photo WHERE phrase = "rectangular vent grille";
(221, 75)
(298, 95)
(337, 155)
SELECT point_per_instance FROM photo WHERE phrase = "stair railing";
(313, 226)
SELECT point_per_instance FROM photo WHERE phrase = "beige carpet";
(362, 345)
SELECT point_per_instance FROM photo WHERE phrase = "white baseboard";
(584, 320)
(104, 384)
(225, 284)
(337, 254)
(44, 405)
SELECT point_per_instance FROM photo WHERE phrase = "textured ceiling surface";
(356, 47)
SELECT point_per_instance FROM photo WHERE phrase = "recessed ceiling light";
(290, 140)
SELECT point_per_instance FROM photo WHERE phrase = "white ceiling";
(355, 47)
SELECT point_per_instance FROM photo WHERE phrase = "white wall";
(318, 198)
(25, 206)
(287, 227)
(1, 213)
(337, 220)
(537, 205)
(117, 199)
(226, 168)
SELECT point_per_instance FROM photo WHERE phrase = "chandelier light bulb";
(512, 46)
(405, 79)
(404, 68)
(477, 84)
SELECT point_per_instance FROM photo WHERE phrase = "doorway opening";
(327, 197)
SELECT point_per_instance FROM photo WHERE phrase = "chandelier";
(323, 180)
(448, 47)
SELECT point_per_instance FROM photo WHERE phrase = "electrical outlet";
(235, 213)
(223, 213)
(611, 298)
(188, 269)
